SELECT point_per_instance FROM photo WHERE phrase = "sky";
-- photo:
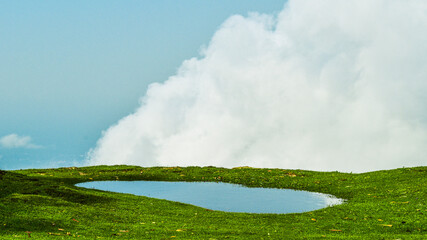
(71, 69)
(303, 84)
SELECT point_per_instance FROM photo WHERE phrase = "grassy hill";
(45, 204)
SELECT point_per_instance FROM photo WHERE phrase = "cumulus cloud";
(16, 141)
(324, 85)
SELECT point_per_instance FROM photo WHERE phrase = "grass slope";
(45, 204)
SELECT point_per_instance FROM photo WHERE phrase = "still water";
(222, 196)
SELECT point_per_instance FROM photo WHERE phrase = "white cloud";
(16, 141)
(325, 85)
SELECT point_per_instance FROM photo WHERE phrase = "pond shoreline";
(225, 197)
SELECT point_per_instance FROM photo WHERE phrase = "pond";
(222, 196)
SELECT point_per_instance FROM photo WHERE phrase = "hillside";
(44, 203)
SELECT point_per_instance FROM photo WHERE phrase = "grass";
(45, 204)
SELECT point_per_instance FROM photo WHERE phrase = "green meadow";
(45, 204)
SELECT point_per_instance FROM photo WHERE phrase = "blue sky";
(71, 69)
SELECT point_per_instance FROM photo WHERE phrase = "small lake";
(222, 196)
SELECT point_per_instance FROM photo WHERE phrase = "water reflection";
(222, 196)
